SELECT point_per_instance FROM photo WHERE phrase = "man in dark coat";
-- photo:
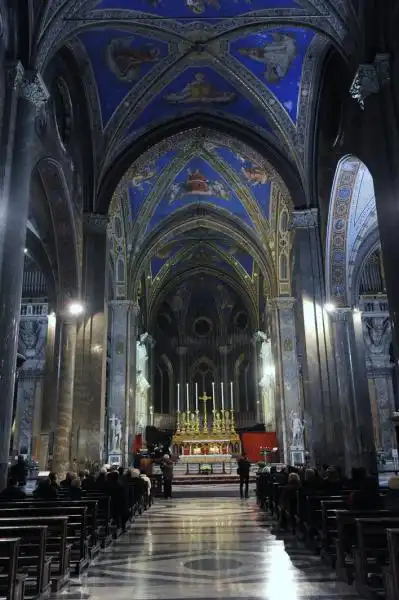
(244, 467)
(167, 472)
(20, 471)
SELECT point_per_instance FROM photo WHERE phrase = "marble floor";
(215, 547)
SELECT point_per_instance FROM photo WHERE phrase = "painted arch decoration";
(352, 217)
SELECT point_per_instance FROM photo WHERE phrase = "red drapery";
(253, 441)
(137, 443)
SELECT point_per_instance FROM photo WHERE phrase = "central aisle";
(206, 548)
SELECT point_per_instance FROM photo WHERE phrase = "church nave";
(207, 548)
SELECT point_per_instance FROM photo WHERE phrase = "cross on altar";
(204, 397)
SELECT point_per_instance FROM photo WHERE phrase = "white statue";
(116, 434)
(267, 383)
(297, 428)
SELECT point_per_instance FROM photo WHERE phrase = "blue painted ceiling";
(156, 60)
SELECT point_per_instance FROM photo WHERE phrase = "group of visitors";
(364, 495)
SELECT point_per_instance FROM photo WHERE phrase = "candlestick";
(188, 401)
(178, 397)
(196, 396)
(213, 395)
(231, 390)
(222, 394)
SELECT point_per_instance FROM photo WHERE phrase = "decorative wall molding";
(304, 219)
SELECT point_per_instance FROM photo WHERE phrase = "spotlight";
(329, 307)
(75, 308)
(25, 250)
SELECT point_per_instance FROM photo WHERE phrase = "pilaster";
(291, 406)
(353, 397)
(90, 374)
(314, 341)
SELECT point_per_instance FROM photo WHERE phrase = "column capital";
(304, 219)
(95, 222)
(181, 350)
(128, 304)
(29, 84)
(283, 303)
(341, 314)
(370, 78)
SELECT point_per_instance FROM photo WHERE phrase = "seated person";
(119, 499)
(12, 491)
(66, 483)
(367, 497)
(75, 490)
(288, 500)
(44, 490)
(53, 479)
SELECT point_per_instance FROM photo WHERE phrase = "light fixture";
(356, 310)
(25, 250)
(75, 308)
(329, 307)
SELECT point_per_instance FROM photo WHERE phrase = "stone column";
(65, 383)
(323, 435)
(267, 383)
(131, 423)
(291, 406)
(122, 345)
(256, 343)
(353, 397)
(91, 348)
(49, 403)
(24, 94)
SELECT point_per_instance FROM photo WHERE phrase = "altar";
(195, 441)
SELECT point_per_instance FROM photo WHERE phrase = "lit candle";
(188, 401)
(222, 394)
(178, 397)
(196, 396)
(231, 390)
(213, 395)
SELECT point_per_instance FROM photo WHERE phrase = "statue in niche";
(29, 338)
(277, 55)
(126, 62)
(116, 434)
(297, 428)
(199, 91)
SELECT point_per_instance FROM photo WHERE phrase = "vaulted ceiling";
(253, 63)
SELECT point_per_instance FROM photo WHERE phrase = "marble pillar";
(377, 338)
(292, 441)
(24, 94)
(123, 344)
(323, 431)
(256, 345)
(65, 385)
(353, 395)
(131, 423)
(142, 387)
(32, 338)
(91, 347)
(49, 401)
(267, 383)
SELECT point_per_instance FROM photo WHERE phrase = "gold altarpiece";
(218, 439)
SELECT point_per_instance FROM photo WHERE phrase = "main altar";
(197, 441)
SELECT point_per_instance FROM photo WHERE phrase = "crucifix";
(204, 398)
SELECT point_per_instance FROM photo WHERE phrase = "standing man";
(167, 471)
(243, 471)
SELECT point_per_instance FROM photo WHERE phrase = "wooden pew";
(57, 547)
(32, 559)
(392, 571)
(312, 514)
(93, 529)
(77, 528)
(371, 553)
(12, 584)
(104, 518)
(328, 531)
(346, 538)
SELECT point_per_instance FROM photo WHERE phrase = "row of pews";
(45, 542)
(361, 545)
